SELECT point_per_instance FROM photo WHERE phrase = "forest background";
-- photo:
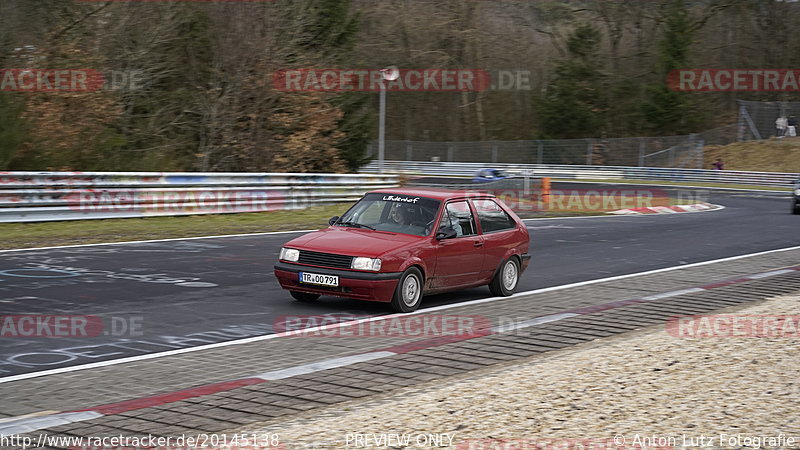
(196, 90)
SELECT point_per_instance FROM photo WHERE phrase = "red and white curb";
(27, 424)
(675, 209)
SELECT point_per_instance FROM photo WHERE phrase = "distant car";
(486, 175)
(397, 245)
(796, 198)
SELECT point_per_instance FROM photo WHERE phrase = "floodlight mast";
(390, 73)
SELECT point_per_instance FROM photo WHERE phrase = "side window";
(459, 216)
(492, 216)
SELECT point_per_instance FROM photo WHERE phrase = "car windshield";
(396, 213)
(500, 174)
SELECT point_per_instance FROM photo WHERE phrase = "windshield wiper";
(355, 225)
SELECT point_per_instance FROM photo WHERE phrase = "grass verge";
(48, 234)
(769, 155)
(76, 232)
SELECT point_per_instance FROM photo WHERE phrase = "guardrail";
(590, 172)
(50, 196)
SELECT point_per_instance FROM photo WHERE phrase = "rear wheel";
(506, 279)
(408, 294)
(303, 296)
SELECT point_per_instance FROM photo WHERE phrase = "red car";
(396, 245)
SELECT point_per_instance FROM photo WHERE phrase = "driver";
(401, 215)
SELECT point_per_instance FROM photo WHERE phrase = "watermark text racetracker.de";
(220, 200)
(595, 200)
(27, 326)
(405, 80)
(69, 80)
(355, 326)
(371, 80)
(719, 326)
(735, 80)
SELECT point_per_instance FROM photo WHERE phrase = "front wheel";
(303, 296)
(408, 294)
(506, 279)
(795, 208)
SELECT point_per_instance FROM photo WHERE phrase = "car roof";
(434, 193)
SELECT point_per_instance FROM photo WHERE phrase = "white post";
(389, 74)
(526, 186)
(382, 128)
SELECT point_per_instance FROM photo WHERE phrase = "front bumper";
(376, 287)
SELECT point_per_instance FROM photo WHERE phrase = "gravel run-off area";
(643, 389)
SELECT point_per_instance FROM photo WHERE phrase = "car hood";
(352, 241)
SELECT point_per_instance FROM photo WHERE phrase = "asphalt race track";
(181, 294)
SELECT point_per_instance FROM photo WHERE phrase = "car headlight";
(366, 264)
(290, 254)
(797, 192)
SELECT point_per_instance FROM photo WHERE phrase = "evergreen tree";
(357, 125)
(575, 101)
(667, 111)
(332, 31)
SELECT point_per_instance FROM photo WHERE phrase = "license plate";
(318, 279)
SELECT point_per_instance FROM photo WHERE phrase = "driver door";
(459, 259)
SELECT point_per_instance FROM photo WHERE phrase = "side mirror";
(445, 232)
(333, 220)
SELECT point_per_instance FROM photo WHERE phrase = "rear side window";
(492, 216)
(459, 216)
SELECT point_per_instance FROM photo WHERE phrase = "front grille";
(325, 259)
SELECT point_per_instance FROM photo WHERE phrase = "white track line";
(769, 274)
(27, 425)
(321, 365)
(532, 322)
(249, 340)
(676, 293)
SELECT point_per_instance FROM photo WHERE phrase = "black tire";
(304, 297)
(408, 294)
(506, 279)
(795, 208)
